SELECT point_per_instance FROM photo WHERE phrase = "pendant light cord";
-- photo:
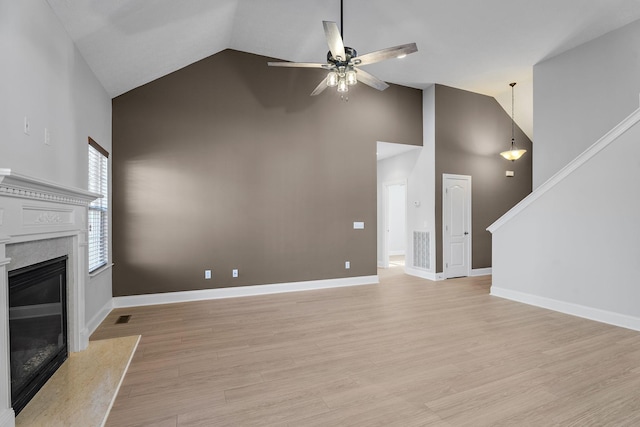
(513, 121)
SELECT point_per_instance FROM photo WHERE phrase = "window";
(98, 209)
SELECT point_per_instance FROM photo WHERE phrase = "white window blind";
(98, 209)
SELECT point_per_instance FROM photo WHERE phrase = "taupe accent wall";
(228, 163)
(471, 131)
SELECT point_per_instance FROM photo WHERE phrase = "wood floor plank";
(405, 352)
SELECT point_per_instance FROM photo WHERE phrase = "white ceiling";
(474, 45)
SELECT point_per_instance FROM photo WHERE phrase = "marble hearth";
(40, 220)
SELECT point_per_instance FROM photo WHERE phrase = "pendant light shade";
(513, 154)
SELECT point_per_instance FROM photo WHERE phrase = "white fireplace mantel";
(31, 210)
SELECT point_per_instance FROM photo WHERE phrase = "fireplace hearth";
(37, 326)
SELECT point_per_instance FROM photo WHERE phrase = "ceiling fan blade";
(371, 80)
(334, 40)
(321, 87)
(296, 64)
(388, 53)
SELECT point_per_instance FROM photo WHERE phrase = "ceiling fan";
(343, 62)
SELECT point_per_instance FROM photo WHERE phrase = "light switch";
(358, 225)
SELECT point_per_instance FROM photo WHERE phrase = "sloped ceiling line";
(466, 44)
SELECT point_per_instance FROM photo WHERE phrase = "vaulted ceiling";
(474, 45)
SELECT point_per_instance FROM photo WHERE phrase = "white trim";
(8, 418)
(480, 272)
(97, 272)
(421, 273)
(241, 291)
(126, 368)
(396, 253)
(99, 317)
(15, 184)
(590, 313)
(603, 142)
(381, 264)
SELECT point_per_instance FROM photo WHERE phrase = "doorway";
(395, 224)
(456, 225)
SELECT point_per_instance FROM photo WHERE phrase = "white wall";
(44, 77)
(418, 169)
(581, 94)
(522, 105)
(575, 248)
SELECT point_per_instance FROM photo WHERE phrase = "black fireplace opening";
(37, 326)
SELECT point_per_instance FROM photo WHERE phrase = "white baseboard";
(590, 313)
(480, 272)
(99, 317)
(240, 291)
(421, 273)
(7, 418)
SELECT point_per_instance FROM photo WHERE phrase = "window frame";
(98, 182)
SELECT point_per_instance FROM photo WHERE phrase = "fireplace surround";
(40, 220)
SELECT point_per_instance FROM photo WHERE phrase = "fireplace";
(40, 221)
(37, 326)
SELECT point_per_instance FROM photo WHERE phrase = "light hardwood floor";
(406, 352)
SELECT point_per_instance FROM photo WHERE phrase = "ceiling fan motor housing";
(350, 54)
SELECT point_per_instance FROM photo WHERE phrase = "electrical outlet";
(47, 136)
(26, 126)
(347, 265)
(207, 274)
(234, 272)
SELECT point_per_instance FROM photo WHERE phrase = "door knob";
(466, 232)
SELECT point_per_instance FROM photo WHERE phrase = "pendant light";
(514, 153)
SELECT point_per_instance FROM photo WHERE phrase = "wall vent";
(421, 245)
(123, 319)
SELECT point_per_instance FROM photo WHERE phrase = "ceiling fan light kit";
(343, 62)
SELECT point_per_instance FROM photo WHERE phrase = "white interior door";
(456, 225)
(394, 220)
